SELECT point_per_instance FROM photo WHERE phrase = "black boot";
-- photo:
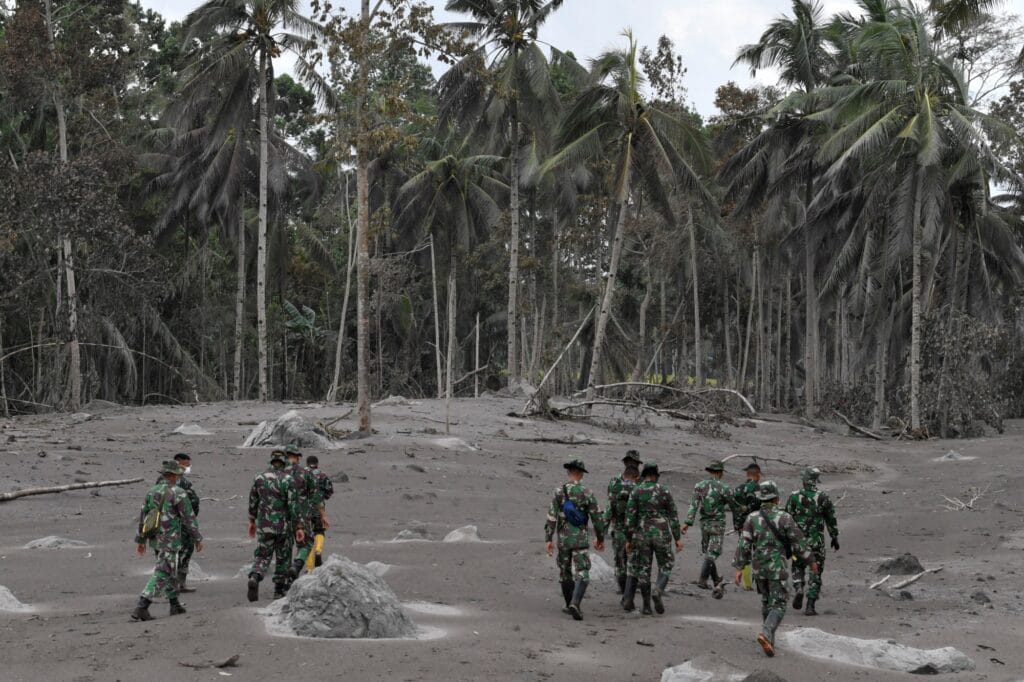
(568, 587)
(280, 589)
(176, 608)
(767, 637)
(253, 592)
(296, 570)
(629, 595)
(141, 611)
(318, 560)
(719, 590)
(809, 611)
(798, 599)
(577, 596)
(705, 573)
(182, 588)
(645, 592)
(659, 590)
(622, 584)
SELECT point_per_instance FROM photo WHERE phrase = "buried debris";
(703, 670)
(15, 494)
(290, 428)
(231, 662)
(192, 430)
(464, 534)
(908, 564)
(875, 653)
(54, 542)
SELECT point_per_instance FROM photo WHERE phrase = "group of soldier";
(645, 527)
(287, 517)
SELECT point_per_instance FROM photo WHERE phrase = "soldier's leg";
(154, 585)
(814, 583)
(666, 560)
(644, 559)
(260, 561)
(319, 537)
(799, 571)
(621, 559)
(705, 568)
(774, 598)
(165, 580)
(184, 557)
(282, 551)
(564, 561)
(581, 575)
(716, 538)
(303, 549)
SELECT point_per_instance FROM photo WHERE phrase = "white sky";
(707, 33)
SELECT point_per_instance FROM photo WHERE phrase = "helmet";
(810, 475)
(767, 491)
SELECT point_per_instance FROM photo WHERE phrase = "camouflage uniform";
(273, 508)
(652, 524)
(573, 542)
(710, 499)
(758, 546)
(813, 511)
(188, 547)
(745, 496)
(618, 496)
(309, 503)
(176, 521)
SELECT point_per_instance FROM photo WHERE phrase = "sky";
(707, 33)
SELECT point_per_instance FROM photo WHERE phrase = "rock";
(905, 595)
(377, 568)
(395, 401)
(953, 456)
(197, 575)
(192, 430)
(340, 477)
(763, 676)
(600, 571)
(518, 389)
(464, 534)
(699, 670)
(453, 444)
(341, 600)
(907, 564)
(290, 427)
(412, 533)
(244, 571)
(874, 653)
(80, 417)
(54, 542)
(8, 602)
(416, 467)
(980, 597)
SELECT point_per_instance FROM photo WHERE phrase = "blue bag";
(572, 514)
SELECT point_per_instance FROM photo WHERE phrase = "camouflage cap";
(277, 456)
(715, 466)
(810, 474)
(292, 450)
(171, 467)
(767, 491)
(575, 465)
(632, 456)
(650, 470)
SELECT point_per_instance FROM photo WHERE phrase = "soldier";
(169, 508)
(769, 537)
(710, 498)
(747, 502)
(187, 547)
(813, 511)
(619, 489)
(572, 508)
(309, 506)
(273, 517)
(652, 523)
(320, 523)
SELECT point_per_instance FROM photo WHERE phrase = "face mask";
(188, 469)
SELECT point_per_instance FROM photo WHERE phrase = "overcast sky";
(707, 33)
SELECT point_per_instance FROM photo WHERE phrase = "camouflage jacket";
(813, 511)
(323, 482)
(176, 518)
(710, 498)
(759, 547)
(746, 501)
(186, 485)
(570, 536)
(652, 513)
(273, 503)
(309, 499)
(618, 496)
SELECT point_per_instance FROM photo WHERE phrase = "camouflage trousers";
(711, 536)
(800, 569)
(269, 546)
(622, 557)
(164, 580)
(188, 546)
(302, 549)
(573, 564)
(646, 551)
(773, 595)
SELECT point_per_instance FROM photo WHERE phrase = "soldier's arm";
(632, 515)
(189, 525)
(828, 510)
(597, 514)
(328, 489)
(745, 545)
(797, 540)
(694, 504)
(292, 503)
(551, 524)
(673, 516)
(791, 504)
(142, 517)
(193, 496)
(254, 499)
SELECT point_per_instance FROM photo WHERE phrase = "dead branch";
(858, 429)
(15, 494)
(571, 440)
(217, 499)
(876, 585)
(766, 459)
(913, 579)
(675, 414)
(673, 389)
(956, 504)
(526, 408)
(470, 374)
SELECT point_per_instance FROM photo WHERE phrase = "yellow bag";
(151, 524)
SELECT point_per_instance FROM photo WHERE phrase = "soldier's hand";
(252, 529)
(685, 528)
(140, 549)
(739, 577)
(325, 522)
(549, 547)
(814, 567)
(599, 545)
(835, 544)
(300, 535)
(679, 546)
(199, 547)
(629, 546)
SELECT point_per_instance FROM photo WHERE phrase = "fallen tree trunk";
(675, 414)
(673, 389)
(15, 494)
(858, 429)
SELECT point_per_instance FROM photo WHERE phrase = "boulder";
(290, 427)
(377, 568)
(417, 532)
(700, 670)
(192, 430)
(600, 571)
(464, 534)
(341, 600)
(10, 603)
(54, 542)
(907, 564)
(881, 654)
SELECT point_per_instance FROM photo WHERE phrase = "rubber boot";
(176, 608)
(182, 588)
(568, 587)
(141, 611)
(318, 561)
(659, 590)
(798, 598)
(629, 595)
(719, 590)
(645, 592)
(280, 590)
(622, 584)
(767, 637)
(577, 596)
(705, 573)
(253, 592)
(296, 570)
(809, 611)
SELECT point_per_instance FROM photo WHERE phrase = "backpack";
(572, 513)
(151, 524)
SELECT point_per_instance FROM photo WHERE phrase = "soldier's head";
(768, 492)
(313, 462)
(171, 471)
(753, 472)
(278, 459)
(575, 469)
(631, 473)
(715, 468)
(293, 453)
(632, 459)
(184, 460)
(810, 476)
(650, 472)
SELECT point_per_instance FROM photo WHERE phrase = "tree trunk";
(698, 351)
(762, 346)
(476, 360)
(538, 338)
(778, 352)
(240, 299)
(750, 322)
(450, 363)
(363, 231)
(641, 346)
(350, 264)
(437, 321)
(811, 306)
(725, 330)
(261, 239)
(513, 260)
(915, 324)
(606, 301)
(881, 356)
(3, 382)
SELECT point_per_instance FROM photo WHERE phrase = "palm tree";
(518, 91)
(238, 40)
(647, 149)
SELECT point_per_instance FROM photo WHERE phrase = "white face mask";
(188, 469)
